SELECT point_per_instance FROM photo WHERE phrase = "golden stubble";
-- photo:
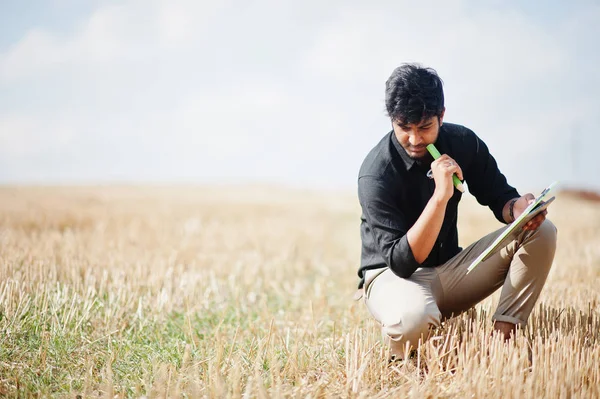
(246, 292)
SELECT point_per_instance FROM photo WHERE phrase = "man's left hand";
(521, 204)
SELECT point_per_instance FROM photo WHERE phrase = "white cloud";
(161, 89)
(130, 31)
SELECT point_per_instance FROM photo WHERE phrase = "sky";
(286, 92)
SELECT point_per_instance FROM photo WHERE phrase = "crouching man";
(412, 270)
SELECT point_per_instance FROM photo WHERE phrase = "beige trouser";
(408, 308)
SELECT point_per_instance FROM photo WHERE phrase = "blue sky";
(286, 92)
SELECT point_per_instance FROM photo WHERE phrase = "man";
(412, 270)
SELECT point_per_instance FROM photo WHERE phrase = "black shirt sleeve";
(388, 226)
(486, 182)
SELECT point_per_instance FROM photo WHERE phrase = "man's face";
(415, 137)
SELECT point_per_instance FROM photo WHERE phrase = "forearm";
(506, 211)
(423, 234)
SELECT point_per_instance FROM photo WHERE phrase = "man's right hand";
(443, 168)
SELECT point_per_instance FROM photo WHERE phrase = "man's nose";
(415, 139)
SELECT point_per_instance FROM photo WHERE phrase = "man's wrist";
(439, 199)
(511, 209)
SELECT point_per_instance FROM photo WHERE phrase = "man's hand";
(521, 204)
(443, 168)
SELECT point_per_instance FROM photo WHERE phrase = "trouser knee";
(547, 233)
(543, 241)
(410, 329)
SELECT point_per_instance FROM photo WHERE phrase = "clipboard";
(514, 229)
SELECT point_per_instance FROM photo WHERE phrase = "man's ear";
(441, 118)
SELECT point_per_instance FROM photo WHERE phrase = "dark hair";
(413, 93)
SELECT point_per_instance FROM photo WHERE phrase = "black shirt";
(393, 190)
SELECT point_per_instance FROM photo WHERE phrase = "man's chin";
(418, 155)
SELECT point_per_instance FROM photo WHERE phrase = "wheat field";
(247, 292)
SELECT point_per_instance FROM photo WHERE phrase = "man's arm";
(486, 182)
(490, 187)
(423, 234)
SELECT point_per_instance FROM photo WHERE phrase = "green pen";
(436, 154)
